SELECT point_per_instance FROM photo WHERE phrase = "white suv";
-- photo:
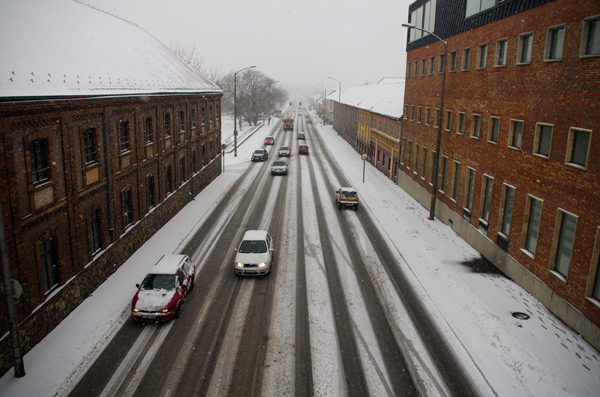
(255, 254)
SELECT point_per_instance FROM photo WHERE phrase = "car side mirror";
(137, 286)
(235, 249)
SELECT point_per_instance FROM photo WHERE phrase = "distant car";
(346, 197)
(302, 149)
(279, 167)
(163, 290)
(284, 151)
(255, 254)
(301, 135)
(269, 140)
(260, 155)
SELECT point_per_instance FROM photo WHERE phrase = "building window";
(507, 209)
(167, 125)
(534, 209)
(578, 147)
(417, 159)
(476, 6)
(564, 246)
(470, 189)
(149, 130)
(168, 179)
(202, 116)
(461, 123)
(524, 49)
(127, 206)
(476, 126)
(501, 47)
(437, 118)
(431, 64)
(444, 173)
(456, 180)
(412, 115)
(482, 56)
(424, 18)
(423, 63)
(555, 39)
(48, 250)
(124, 131)
(466, 59)
(409, 154)
(194, 165)
(542, 140)
(453, 61)
(595, 293)
(408, 68)
(210, 114)
(405, 112)
(494, 129)
(89, 143)
(487, 199)
(150, 190)
(442, 66)
(425, 151)
(193, 118)
(590, 37)
(428, 116)
(95, 231)
(38, 155)
(515, 135)
(181, 121)
(182, 177)
(203, 155)
(448, 120)
(420, 116)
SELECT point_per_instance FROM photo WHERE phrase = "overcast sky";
(299, 43)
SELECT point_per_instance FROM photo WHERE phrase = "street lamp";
(323, 104)
(235, 109)
(438, 143)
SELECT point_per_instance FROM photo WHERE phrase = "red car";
(163, 290)
(269, 140)
(302, 149)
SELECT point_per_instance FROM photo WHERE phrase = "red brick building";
(519, 170)
(92, 164)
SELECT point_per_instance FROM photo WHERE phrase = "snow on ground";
(536, 357)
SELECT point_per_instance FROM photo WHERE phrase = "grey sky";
(299, 43)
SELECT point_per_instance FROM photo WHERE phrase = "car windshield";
(278, 163)
(253, 247)
(347, 193)
(270, 138)
(284, 148)
(258, 151)
(159, 282)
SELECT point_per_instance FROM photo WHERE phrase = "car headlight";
(262, 264)
(135, 310)
(239, 264)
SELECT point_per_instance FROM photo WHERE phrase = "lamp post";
(323, 104)
(235, 109)
(438, 143)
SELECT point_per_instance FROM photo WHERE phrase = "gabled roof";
(56, 48)
(385, 98)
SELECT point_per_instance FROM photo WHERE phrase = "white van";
(255, 254)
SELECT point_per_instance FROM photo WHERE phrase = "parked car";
(346, 197)
(302, 149)
(301, 135)
(255, 254)
(269, 140)
(279, 167)
(260, 155)
(160, 295)
(284, 151)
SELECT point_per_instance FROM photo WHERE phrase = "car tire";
(356, 207)
(178, 311)
(339, 206)
(192, 286)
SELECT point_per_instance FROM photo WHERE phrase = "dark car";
(301, 135)
(284, 151)
(163, 290)
(260, 155)
(303, 149)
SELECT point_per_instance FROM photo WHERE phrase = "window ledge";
(559, 276)
(529, 254)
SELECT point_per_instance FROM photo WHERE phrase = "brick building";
(370, 119)
(519, 170)
(99, 149)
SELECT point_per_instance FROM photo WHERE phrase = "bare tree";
(191, 56)
(257, 95)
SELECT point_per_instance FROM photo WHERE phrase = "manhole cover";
(520, 316)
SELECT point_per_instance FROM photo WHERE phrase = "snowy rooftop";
(67, 48)
(385, 98)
